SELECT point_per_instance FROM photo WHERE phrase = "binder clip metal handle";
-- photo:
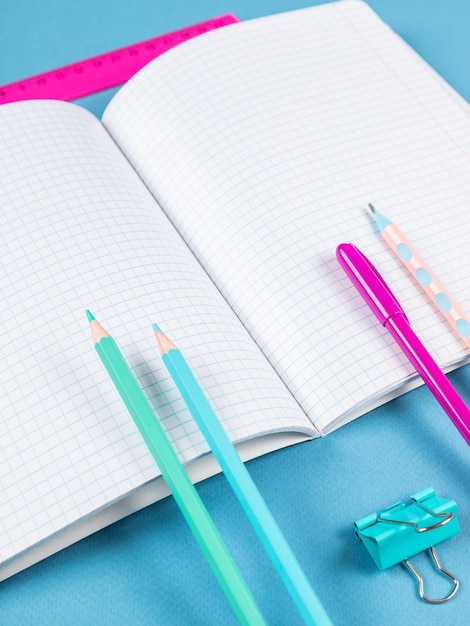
(443, 571)
(401, 531)
(446, 516)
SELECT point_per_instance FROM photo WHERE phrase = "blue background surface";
(147, 569)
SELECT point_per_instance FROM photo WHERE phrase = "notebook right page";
(264, 142)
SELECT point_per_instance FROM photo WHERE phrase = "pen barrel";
(431, 373)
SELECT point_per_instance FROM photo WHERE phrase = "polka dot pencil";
(423, 274)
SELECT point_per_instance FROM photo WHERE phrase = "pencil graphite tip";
(156, 328)
(381, 221)
(90, 316)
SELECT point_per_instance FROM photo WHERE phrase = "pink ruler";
(103, 71)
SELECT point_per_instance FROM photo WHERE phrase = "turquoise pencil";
(242, 484)
(175, 476)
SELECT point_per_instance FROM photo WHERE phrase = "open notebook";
(210, 200)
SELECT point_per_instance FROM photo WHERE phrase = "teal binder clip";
(403, 530)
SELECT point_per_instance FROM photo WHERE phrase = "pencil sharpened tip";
(381, 221)
(90, 316)
(164, 343)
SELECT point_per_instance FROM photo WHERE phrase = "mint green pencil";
(175, 476)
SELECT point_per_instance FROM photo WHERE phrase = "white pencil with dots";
(423, 274)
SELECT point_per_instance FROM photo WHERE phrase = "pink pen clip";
(390, 314)
(368, 282)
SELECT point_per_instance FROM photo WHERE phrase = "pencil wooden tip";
(164, 343)
(97, 331)
(371, 207)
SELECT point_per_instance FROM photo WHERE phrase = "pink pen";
(388, 311)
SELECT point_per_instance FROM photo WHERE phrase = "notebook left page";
(79, 230)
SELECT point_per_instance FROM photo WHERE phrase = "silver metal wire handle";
(447, 517)
(421, 582)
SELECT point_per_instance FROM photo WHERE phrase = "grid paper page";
(268, 140)
(79, 230)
